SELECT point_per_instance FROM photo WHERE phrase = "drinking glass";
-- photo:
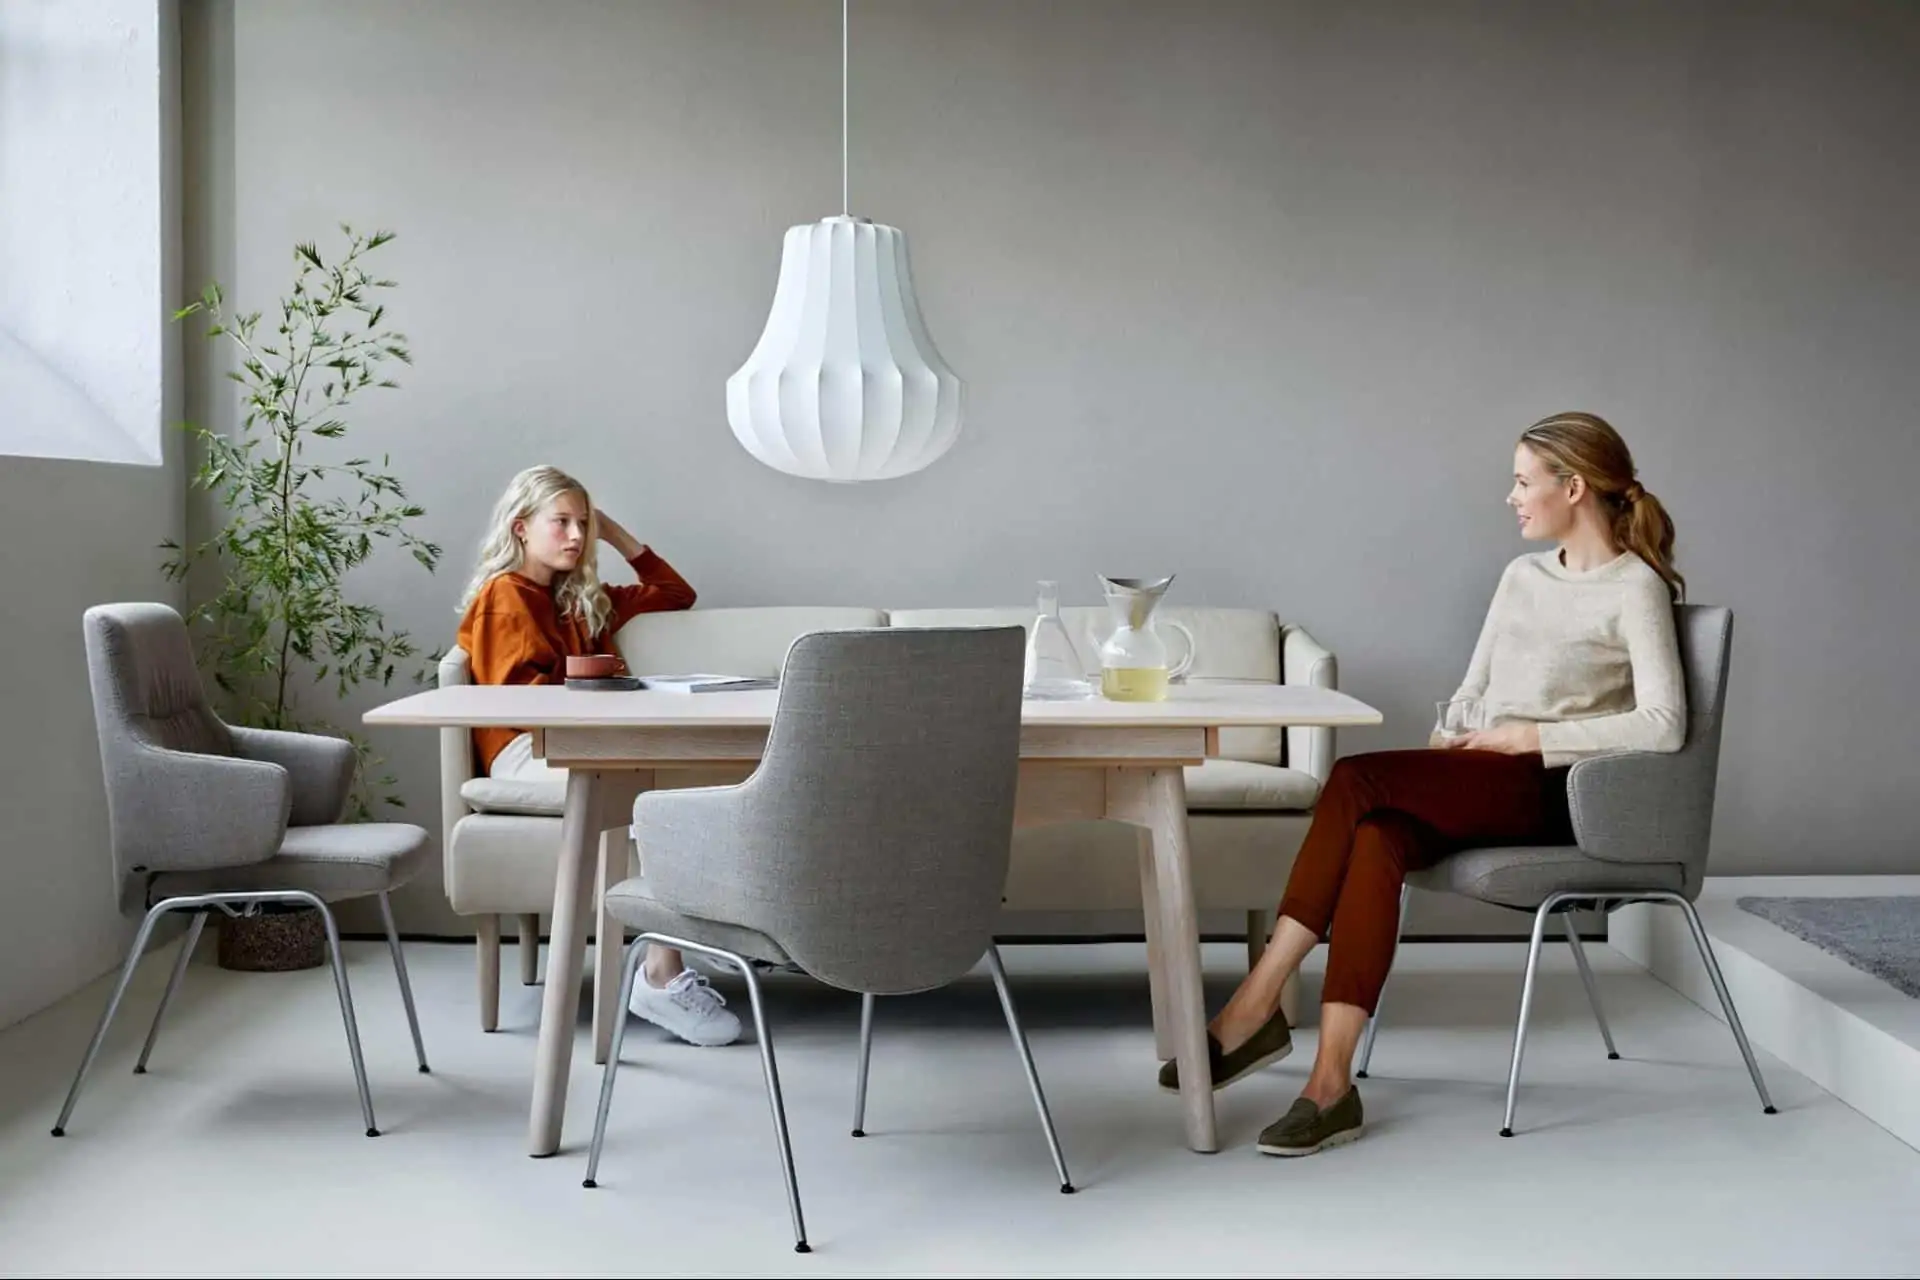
(1458, 717)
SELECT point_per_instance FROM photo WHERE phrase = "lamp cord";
(845, 203)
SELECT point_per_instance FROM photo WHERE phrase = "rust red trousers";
(1390, 812)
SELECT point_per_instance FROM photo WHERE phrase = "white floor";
(242, 1152)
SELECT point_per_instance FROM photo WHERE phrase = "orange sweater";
(513, 634)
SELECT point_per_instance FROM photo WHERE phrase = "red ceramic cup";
(593, 666)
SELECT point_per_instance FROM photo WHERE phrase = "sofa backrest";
(1231, 644)
(730, 642)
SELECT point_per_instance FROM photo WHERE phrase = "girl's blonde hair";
(579, 592)
(1585, 445)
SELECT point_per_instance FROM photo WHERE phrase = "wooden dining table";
(1079, 760)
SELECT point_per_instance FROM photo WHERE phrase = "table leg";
(1157, 800)
(619, 791)
(1156, 956)
(560, 1002)
(609, 939)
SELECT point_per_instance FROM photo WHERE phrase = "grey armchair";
(1642, 824)
(869, 849)
(207, 816)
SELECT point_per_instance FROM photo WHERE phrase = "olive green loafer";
(1306, 1128)
(1272, 1042)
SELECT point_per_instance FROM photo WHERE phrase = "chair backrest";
(872, 842)
(147, 692)
(1705, 633)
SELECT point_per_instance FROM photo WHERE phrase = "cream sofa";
(1248, 809)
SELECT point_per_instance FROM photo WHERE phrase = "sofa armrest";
(456, 757)
(1642, 806)
(183, 811)
(319, 769)
(1304, 660)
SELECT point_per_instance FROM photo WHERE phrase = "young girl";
(537, 598)
(1577, 656)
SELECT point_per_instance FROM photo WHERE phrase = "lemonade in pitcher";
(1133, 660)
(1134, 684)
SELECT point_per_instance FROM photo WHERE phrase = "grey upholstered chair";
(1641, 823)
(207, 816)
(869, 849)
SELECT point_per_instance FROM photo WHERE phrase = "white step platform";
(1851, 1033)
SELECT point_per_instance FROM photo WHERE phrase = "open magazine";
(703, 683)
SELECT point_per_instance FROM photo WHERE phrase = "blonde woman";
(1577, 656)
(536, 599)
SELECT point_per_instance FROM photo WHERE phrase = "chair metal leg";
(1586, 980)
(1026, 1063)
(406, 985)
(1526, 1008)
(346, 1011)
(772, 1071)
(1373, 1023)
(191, 941)
(860, 1076)
(634, 952)
(768, 1066)
(1726, 997)
(226, 902)
(134, 953)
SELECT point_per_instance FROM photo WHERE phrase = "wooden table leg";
(1157, 800)
(560, 1002)
(1156, 956)
(617, 799)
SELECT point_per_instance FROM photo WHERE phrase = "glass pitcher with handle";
(1133, 660)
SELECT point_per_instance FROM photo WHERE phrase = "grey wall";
(1256, 293)
(74, 534)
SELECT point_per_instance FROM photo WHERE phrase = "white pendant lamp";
(844, 384)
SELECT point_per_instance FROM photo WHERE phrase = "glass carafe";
(1054, 671)
(1133, 660)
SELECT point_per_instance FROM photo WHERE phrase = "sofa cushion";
(1231, 644)
(1222, 785)
(544, 799)
(734, 642)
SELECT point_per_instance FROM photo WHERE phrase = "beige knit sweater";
(1590, 657)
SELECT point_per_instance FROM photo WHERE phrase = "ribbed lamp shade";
(845, 384)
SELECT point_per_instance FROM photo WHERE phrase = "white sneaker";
(688, 1007)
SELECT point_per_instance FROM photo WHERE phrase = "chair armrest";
(696, 851)
(1304, 660)
(319, 769)
(1642, 806)
(183, 811)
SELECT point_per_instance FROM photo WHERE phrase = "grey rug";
(1880, 935)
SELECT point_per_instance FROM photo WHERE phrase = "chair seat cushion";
(1227, 785)
(1522, 877)
(545, 799)
(632, 903)
(333, 862)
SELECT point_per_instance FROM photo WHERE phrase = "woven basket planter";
(277, 940)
